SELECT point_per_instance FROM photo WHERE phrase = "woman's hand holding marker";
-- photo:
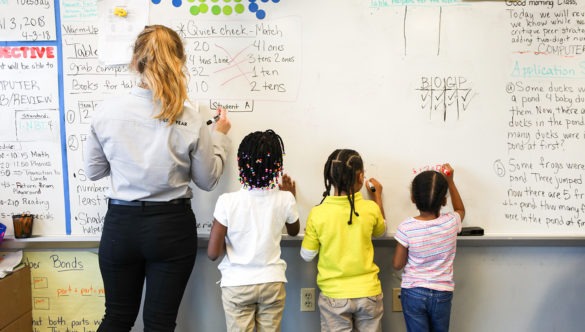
(212, 120)
(223, 124)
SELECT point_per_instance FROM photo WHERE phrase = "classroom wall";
(498, 288)
(371, 66)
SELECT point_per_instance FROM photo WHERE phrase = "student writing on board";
(248, 224)
(152, 143)
(426, 250)
(339, 230)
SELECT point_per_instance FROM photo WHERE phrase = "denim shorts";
(426, 309)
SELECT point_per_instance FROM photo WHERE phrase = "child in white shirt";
(247, 226)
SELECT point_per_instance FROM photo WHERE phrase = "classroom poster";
(67, 291)
(86, 82)
(31, 165)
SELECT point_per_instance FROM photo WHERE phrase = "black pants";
(153, 243)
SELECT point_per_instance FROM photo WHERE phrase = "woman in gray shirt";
(152, 143)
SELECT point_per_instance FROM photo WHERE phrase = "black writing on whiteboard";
(546, 119)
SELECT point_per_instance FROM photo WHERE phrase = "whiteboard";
(27, 20)
(496, 89)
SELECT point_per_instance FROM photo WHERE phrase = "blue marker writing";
(215, 118)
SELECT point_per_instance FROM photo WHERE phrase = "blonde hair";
(159, 57)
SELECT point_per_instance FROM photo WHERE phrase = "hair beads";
(260, 160)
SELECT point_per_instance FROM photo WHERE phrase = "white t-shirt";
(254, 221)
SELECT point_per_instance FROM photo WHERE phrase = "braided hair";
(260, 160)
(341, 171)
(429, 188)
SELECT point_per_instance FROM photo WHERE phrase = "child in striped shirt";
(426, 250)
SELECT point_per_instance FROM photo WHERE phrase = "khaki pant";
(362, 314)
(250, 306)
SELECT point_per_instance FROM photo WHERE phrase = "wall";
(501, 285)
(501, 288)
(496, 88)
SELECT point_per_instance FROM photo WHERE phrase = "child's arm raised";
(216, 245)
(374, 189)
(455, 197)
(289, 185)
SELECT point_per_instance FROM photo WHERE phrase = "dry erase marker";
(371, 186)
(215, 118)
(446, 171)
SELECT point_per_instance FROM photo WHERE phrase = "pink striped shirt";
(431, 250)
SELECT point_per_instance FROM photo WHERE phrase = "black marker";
(371, 186)
(215, 118)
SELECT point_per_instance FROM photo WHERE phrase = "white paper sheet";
(117, 33)
(9, 261)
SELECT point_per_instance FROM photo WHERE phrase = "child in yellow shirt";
(340, 231)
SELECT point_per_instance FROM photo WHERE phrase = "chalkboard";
(495, 88)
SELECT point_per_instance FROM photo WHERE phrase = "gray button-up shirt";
(146, 158)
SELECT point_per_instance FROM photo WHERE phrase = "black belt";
(177, 201)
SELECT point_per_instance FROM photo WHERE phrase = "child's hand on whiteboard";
(287, 184)
(374, 187)
(456, 200)
(448, 171)
(223, 124)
